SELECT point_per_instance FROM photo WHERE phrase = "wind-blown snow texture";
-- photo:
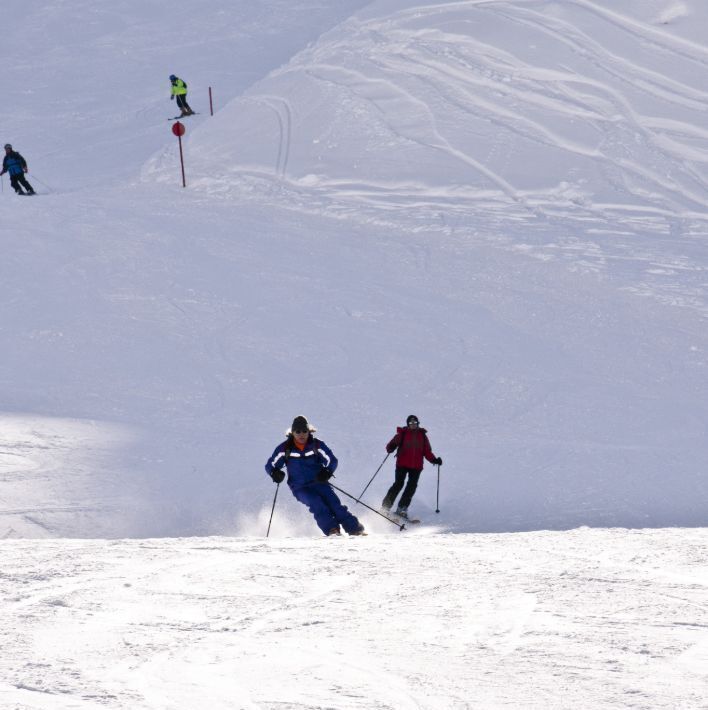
(493, 214)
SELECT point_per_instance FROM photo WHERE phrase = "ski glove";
(278, 476)
(438, 461)
(323, 475)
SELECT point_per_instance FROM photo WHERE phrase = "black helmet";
(300, 424)
(8, 146)
(173, 77)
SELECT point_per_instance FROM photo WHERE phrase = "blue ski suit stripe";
(302, 466)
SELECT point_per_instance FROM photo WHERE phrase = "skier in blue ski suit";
(16, 165)
(310, 464)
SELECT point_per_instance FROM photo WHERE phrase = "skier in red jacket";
(413, 445)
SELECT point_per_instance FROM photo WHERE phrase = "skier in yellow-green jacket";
(179, 90)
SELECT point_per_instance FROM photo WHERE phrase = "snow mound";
(533, 107)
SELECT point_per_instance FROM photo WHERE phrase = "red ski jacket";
(412, 445)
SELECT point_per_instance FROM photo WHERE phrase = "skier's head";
(8, 146)
(412, 420)
(173, 77)
(301, 430)
(300, 426)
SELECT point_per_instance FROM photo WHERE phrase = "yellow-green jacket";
(179, 87)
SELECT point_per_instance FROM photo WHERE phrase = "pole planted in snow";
(437, 499)
(179, 130)
(272, 510)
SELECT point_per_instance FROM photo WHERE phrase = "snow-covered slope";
(537, 105)
(601, 619)
(85, 83)
(492, 214)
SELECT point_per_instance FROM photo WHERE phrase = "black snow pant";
(401, 473)
(20, 179)
(182, 103)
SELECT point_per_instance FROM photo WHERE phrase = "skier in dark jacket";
(310, 464)
(413, 445)
(16, 165)
(179, 91)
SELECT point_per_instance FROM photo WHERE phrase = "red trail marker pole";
(179, 130)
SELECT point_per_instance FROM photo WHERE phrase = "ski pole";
(358, 500)
(272, 510)
(34, 177)
(437, 499)
(390, 520)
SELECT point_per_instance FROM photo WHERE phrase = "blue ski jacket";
(302, 466)
(14, 163)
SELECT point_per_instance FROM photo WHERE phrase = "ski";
(176, 118)
(406, 521)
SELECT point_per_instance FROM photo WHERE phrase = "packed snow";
(491, 214)
(581, 619)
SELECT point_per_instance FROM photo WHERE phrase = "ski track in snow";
(283, 114)
(541, 620)
(424, 80)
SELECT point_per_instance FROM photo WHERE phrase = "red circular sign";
(178, 128)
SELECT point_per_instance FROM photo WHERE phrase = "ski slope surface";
(582, 619)
(492, 214)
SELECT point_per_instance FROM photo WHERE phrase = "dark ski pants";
(401, 473)
(20, 179)
(328, 510)
(182, 103)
